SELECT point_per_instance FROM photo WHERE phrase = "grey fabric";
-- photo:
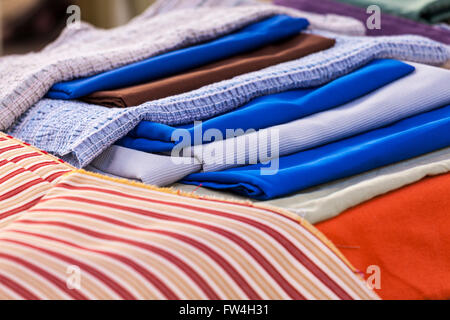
(149, 168)
(78, 132)
(85, 50)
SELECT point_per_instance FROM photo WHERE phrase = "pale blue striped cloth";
(78, 132)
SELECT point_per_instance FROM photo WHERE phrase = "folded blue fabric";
(78, 132)
(403, 140)
(249, 38)
(274, 109)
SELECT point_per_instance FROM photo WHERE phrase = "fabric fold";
(56, 125)
(403, 233)
(149, 168)
(278, 52)
(27, 78)
(403, 140)
(136, 242)
(427, 88)
(249, 38)
(270, 110)
(26, 175)
(328, 200)
(391, 25)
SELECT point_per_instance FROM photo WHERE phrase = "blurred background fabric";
(111, 13)
(28, 25)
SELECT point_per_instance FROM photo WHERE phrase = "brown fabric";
(294, 48)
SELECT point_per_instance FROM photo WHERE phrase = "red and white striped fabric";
(93, 237)
(26, 174)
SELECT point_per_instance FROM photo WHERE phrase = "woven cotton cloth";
(293, 48)
(391, 25)
(329, 200)
(131, 241)
(79, 132)
(264, 112)
(25, 79)
(427, 88)
(85, 50)
(150, 168)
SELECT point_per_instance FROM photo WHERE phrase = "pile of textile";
(186, 154)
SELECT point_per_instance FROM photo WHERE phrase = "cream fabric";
(329, 200)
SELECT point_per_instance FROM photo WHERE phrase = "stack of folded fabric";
(286, 112)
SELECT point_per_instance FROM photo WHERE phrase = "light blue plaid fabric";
(78, 132)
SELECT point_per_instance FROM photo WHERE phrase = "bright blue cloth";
(403, 140)
(275, 109)
(249, 38)
(78, 132)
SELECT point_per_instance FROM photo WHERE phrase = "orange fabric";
(406, 233)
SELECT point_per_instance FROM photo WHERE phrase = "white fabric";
(149, 168)
(425, 89)
(329, 200)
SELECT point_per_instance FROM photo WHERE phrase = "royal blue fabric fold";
(403, 140)
(249, 38)
(274, 109)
